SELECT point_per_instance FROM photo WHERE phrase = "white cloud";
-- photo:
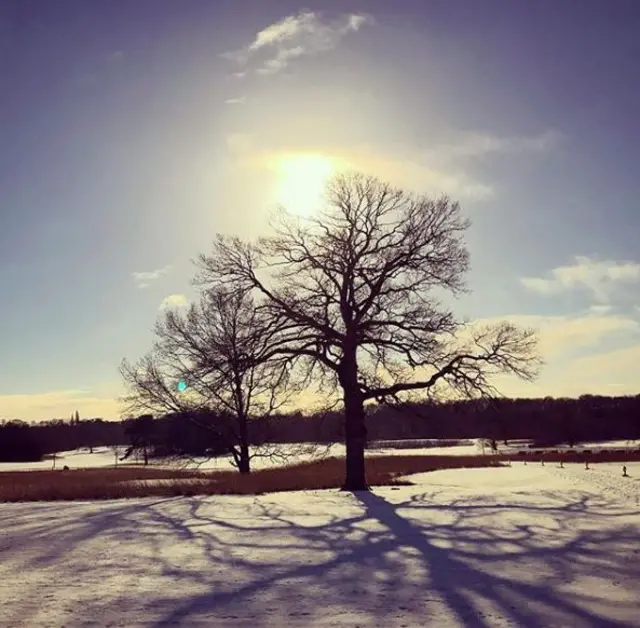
(235, 101)
(144, 278)
(410, 171)
(576, 364)
(606, 373)
(600, 309)
(173, 301)
(599, 278)
(303, 34)
(415, 173)
(481, 144)
(116, 56)
(560, 335)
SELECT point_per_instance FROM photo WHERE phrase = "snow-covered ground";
(294, 454)
(524, 545)
(76, 459)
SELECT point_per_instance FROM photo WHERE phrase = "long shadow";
(463, 585)
(275, 562)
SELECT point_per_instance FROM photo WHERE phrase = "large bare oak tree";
(354, 293)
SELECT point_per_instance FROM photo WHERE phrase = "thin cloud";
(116, 56)
(235, 101)
(477, 145)
(577, 355)
(145, 278)
(303, 34)
(174, 301)
(601, 373)
(559, 335)
(410, 171)
(600, 309)
(415, 173)
(599, 278)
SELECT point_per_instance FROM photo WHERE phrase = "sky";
(132, 133)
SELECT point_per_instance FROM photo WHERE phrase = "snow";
(294, 453)
(526, 545)
(75, 459)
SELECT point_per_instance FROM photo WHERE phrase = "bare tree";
(352, 293)
(214, 352)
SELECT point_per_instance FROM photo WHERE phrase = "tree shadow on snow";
(272, 561)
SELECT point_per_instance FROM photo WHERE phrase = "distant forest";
(547, 421)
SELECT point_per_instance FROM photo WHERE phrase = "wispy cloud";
(417, 173)
(145, 278)
(578, 354)
(303, 34)
(473, 145)
(441, 169)
(174, 301)
(116, 56)
(560, 335)
(409, 170)
(602, 373)
(599, 278)
(600, 309)
(235, 101)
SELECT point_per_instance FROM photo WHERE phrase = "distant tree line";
(547, 421)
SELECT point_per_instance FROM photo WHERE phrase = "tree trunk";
(355, 429)
(244, 466)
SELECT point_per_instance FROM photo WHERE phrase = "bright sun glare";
(301, 181)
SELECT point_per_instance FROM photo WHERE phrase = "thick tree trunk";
(356, 438)
(244, 465)
(355, 429)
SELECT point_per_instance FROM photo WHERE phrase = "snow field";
(516, 546)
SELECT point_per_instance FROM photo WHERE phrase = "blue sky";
(130, 133)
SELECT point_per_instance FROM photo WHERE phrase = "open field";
(293, 454)
(128, 482)
(521, 546)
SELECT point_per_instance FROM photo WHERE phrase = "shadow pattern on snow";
(271, 561)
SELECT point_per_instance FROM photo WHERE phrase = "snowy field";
(294, 454)
(525, 545)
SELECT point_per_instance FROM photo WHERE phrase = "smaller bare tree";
(214, 353)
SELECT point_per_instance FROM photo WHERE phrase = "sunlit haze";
(132, 132)
(301, 181)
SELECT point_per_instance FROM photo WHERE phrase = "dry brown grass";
(131, 482)
(596, 456)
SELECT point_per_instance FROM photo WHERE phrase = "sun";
(301, 181)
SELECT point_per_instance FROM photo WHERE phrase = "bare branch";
(351, 296)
